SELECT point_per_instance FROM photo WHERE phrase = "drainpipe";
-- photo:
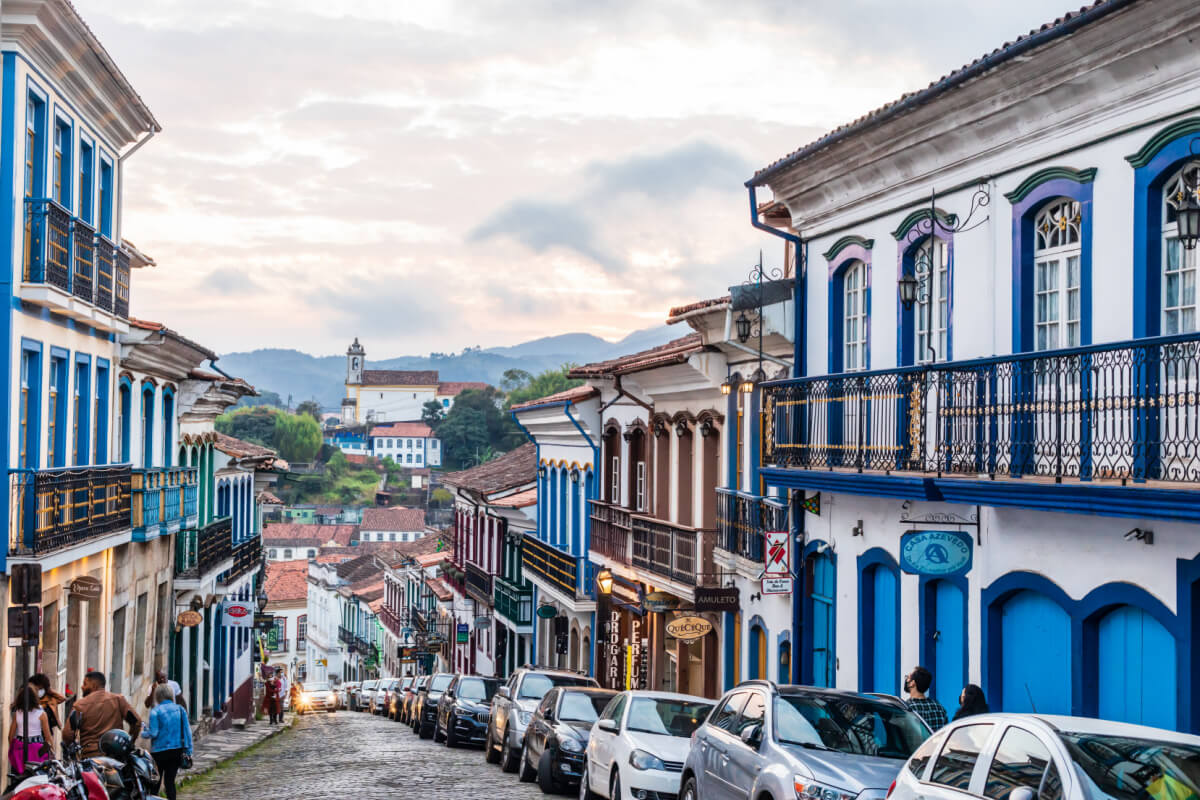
(622, 393)
(120, 226)
(799, 278)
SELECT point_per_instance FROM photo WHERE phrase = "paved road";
(347, 755)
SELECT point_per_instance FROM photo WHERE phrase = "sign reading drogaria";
(689, 628)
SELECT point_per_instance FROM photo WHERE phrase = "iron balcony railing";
(68, 253)
(479, 583)
(247, 557)
(1124, 412)
(345, 635)
(743, 520)
(390, 620)
(301, 645)
(162, 498)
(280, 646)
(514, 602)
(53, 509)
(672, 551)
(200, 552)
(611, 531)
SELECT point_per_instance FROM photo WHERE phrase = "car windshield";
(407, 682)
(1129, 768)
(316, 687)
(477, 690)
(849, 724)
(582, 707)
(666, 717)
(368, 685)
(535, 685)
(440, 682)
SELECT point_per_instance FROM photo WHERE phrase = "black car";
(424, 718)
(557, 737)
(409, 705)
(465, 710)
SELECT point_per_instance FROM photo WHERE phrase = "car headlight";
(523, 717)
(640, 759)
(808, 789)
(306, 697)
(570, 745)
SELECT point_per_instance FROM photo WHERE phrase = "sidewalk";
(220, 746)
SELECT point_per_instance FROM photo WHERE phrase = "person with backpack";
(170, 737)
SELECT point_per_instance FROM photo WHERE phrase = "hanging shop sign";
(778, 554)
(660, 602)
(463, 633)
(940, 553)
(777, 586)
(189, 619)
(717, 598)
(264, 621)
(237, 614)
(85, 587)
(689, 629)
(482, 623)
(547, 612)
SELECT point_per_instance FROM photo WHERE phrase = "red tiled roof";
(238, 448)
(396, 518)
(421, 550)
(341, 534)
(268, 498)
(355, 458)
(455, 388)
(679, 311)
(146, 324)
(439, 589)
(413, 429)
(572, 395)
(399, 377)
(519, 500)
(674, 352)
(514, 468)
(287, 580)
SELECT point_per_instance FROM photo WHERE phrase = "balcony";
(742, 521)
(71, 267)
(514, 603)
(675, 552)
(301, 645)
(346, 637)
(247, 557)
(164, 500)
(390, 620)
(56, 509)
(205, 552)
(279, 646)
(611, 527)
(479, 583)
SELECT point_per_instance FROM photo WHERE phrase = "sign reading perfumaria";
(939, 553)
(689, 628)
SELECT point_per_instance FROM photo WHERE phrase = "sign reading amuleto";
(716, 598)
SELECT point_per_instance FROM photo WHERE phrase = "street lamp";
(262, 600)
(743, 327)
(908, 285)
(604, 579)
(1188, 219)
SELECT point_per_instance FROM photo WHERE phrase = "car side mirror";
(609, 725)
(1022, 793)
(504, 692)
(752, 736)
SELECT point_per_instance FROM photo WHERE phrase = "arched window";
(1057, 253)
(933, 272)
(785, 661)
(1178, 263)
(854, 317)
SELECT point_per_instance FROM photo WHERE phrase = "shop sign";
(85, 587)
(778, 554)
(24, 626)
(547, 612)
(777, 586)
(463, 633)
(660, 602)
(264, 621)
(940, 553)
(715, 598)
(689, 629)
(189, 619)
(482, 623)
(237, 614)
(614, 649)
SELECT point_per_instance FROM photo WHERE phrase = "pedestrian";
(971, 702)
(48, 699)
(28, 732)
(916, 684)
(161, 679)
(170, 735)
(272, 701)
(100, 711)
(294, 697)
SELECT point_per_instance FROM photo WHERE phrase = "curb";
(194, 774)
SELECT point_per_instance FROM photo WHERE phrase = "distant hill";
(303, 376)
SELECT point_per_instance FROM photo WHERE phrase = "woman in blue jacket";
(170, 736)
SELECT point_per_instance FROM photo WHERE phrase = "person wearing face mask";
(48, 699)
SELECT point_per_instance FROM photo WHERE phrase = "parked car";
(365, 692)
(464, 710)
(557, 736)
(644, 737)
(346, 693)
(382, 696)
(513, 707)
(425, 714)
(396, 700)
(796, 741)
(317, 696)
(410, 699)
(1032, 756)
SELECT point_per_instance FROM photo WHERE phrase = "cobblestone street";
(352, 755)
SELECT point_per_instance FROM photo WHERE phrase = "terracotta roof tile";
(514, 468)
(287, 580)
(425, 548)
(676, 313)
(440, 590)
(455, 388)
(413, 429)
(238, 448)
(399, 377)
(519, 500)
(674, 352)
(269, 498)
(341, 534)
(572, 395)
(396, 518)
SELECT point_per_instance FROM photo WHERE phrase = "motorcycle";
(63, 779)
(127, 772)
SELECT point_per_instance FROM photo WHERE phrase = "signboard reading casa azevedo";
(940, 553)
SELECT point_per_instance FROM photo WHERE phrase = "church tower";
(355, 356)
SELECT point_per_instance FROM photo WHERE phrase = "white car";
(638, 745)
(1043, 757)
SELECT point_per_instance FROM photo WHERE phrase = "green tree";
(297, 437)
(337, 465)
(462, 433)
(543, 384)
(432, 413)
(256, 425)
(441, 497)
(514, 379)
(263, 398)
(310, 407)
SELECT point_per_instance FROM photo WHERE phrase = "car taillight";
(891, 789)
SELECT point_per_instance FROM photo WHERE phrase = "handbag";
(185, 758)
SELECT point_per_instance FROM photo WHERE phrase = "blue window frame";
(147, 425)
(849, 338)
(81, 404)
(100, 414)
(106, 197)
(56, 416)
(125, 420)
(168, 427)
(60, 173)
(87, 181)
(35, 145)
(30, 405)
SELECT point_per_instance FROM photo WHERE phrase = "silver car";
(513, 707)
(801, 742)
(1043, 757)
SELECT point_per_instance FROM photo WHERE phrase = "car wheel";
(527, 772)
(545, 773)
(490, 754)
(689, 790)
(449, 737)
(439, 735)
(614, 788)
(585, 784)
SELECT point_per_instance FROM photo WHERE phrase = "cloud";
(678, 172)
(541, 226)
(229, 281)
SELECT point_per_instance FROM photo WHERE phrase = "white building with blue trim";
(998, 389)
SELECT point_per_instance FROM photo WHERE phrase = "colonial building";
(996, 351)
(413, 640)
(409, 444)
(375, 396)
(286, 585)
(394, 524)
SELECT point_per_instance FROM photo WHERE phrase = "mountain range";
(301, 376)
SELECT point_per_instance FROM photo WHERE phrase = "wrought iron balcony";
(301, 645)
(479, 583)
(390, 620)
(200, 553)
(672, 551)
(53, 509)
(164, 499)
(514, 602)
(611, 531)
(247, 557)
(742, 521)
(1120, 412)
(69, 254)
(345, 635)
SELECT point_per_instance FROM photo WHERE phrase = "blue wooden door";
(885, 654)
(1036, 655)
(823, 619)
(945, 631)
(1137, 669)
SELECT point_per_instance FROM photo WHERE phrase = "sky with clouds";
(435, 175)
